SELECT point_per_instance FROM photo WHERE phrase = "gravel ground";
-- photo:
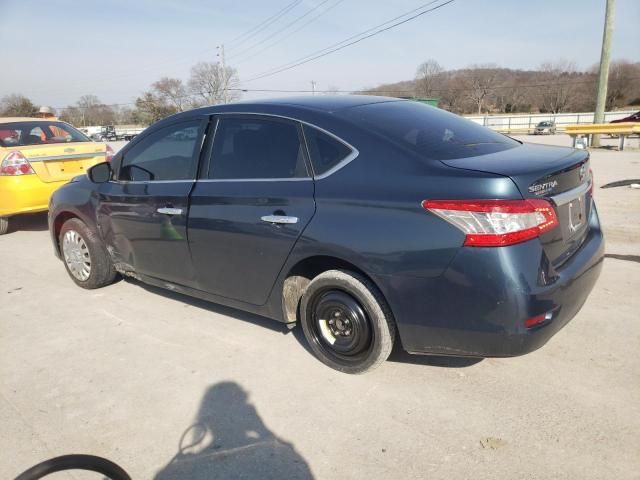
(133, 374)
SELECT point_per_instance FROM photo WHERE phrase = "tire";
(357, 332)
(84, 256)
(4, 225)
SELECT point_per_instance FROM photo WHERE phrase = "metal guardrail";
(526, 123)
(622, 130)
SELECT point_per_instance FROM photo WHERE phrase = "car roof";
(326, 103)
(25, 119)
(318, 103)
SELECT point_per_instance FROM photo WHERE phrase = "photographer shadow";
(229, 440)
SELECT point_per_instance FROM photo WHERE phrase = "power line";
(347, 43)
(281, 39)
(261, 26)
(287, 26)
(182, 61)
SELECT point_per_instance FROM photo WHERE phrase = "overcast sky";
(56, 51)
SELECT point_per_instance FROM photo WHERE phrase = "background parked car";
(545, 128)
(635, 117)
(36, 157)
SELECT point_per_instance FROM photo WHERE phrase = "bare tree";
(151, 108)
(427, 76)
(623, 80)
(558, 86)
(478, 83)
(73, 115)
(174, 92)
(332, 90)
(209, 82)
(451, 98)
(16, 105)
(89, 110)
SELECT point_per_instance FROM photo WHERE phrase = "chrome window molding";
(220, 180)
(65, 157)
(348, 159)
(141, 182)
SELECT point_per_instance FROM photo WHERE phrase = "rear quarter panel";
(369, 214)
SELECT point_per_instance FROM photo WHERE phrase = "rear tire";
(4, 225)
(347, 322)
(84, 255)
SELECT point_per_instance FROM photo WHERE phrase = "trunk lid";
(559, 174)
(61, 162)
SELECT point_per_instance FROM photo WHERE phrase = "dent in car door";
(143, 214)
(247, 215)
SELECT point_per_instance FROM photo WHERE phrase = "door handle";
(280, 219)
(170, 211)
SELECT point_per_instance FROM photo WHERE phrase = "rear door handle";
(280, 219)
(170, 211)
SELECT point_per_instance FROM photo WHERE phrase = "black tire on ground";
(102, 272)
(362, 330)
(4, 225)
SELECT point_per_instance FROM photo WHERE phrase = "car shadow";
(30, 222)
(398, 355)
(228, 439)
(213, 307)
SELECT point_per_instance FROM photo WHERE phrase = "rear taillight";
(15, 163)
(109, 154)
(495, 223)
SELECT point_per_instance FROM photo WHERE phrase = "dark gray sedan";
(367, 220)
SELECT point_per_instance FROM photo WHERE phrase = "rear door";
(252, 204)
(143, 212)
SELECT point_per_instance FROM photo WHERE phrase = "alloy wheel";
(76, 255)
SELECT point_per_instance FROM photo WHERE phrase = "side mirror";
(100, 173)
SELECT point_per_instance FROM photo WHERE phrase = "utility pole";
(603, 76)
(313, 87)
(225, 79)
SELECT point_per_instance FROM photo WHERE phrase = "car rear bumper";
(25, 194)
(479, 306)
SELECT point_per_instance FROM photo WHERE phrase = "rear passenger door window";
(326, 151)
(168, 154)
(257, 148)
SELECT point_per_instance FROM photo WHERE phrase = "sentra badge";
(542, 188)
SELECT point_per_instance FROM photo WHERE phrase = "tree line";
(208, 84)
(552, 88)
(479, 89)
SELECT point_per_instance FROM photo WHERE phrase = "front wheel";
(4, 225)
(85, 257)
(347, 322)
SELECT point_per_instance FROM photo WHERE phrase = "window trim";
(312, 176)
(219, 117)
(351, 156)
(202, 128)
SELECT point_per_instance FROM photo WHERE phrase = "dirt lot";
(133, 374)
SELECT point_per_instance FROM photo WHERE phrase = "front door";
(143, 213)
(249, 210)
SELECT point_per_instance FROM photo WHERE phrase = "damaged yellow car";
(36, 157)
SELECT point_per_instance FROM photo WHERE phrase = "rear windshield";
(544, 124)
(432, 133)
(37, 133)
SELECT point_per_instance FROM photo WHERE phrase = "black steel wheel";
(347, 322)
